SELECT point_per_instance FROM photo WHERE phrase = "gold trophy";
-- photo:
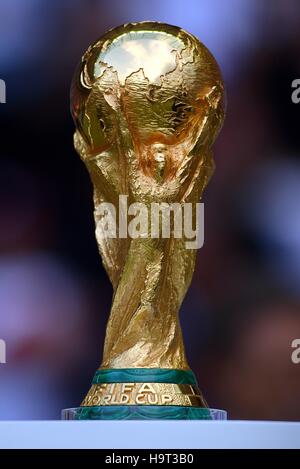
(148, 102)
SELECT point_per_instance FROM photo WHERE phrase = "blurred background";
(243, 308)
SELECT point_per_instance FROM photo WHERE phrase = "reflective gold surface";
(143, 394)
(147, 102)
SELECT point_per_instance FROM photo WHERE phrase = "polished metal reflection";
(143, 394)
(148, 102)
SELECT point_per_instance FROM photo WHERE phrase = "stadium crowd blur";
(243, 308)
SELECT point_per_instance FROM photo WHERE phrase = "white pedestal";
(149, 434)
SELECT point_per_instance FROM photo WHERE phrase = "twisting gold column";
(147, 102)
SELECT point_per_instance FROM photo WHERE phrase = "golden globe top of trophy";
(147, 100)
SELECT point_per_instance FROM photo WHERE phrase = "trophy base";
(144, 394)
(143, 412)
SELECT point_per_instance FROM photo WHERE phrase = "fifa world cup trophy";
(147, 100)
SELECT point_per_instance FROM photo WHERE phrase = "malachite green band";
(144, 375)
